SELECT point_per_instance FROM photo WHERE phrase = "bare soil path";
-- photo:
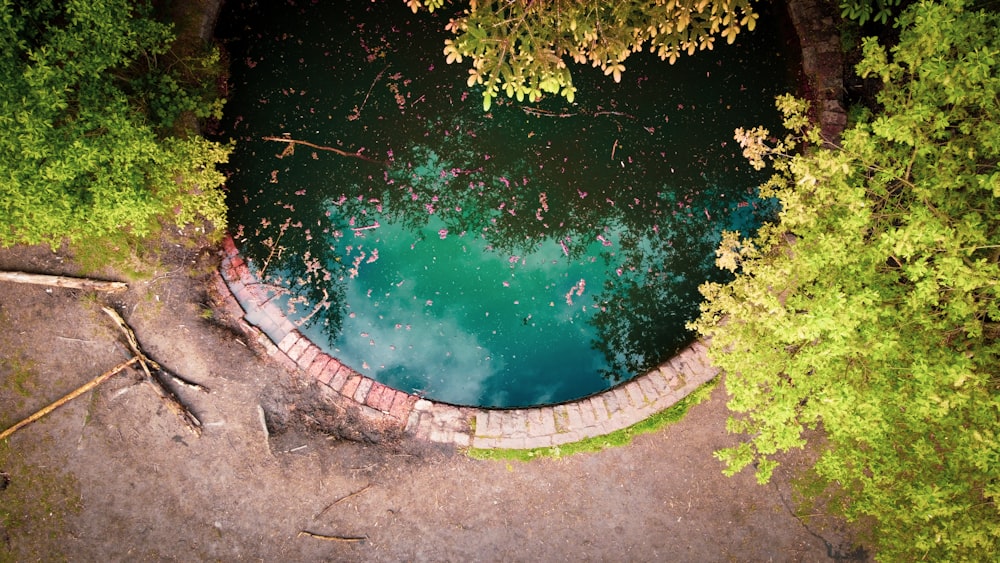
(115, 476)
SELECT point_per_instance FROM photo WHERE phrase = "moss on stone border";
(617, 438)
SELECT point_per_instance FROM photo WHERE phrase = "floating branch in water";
(370, 88)
(546, 113)
(374, 225)
(323, 148)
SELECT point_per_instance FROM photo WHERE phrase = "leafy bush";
(82, 147)
(872, 309)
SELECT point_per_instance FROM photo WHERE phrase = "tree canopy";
(871, 308)
(88, 116)
(521, 47)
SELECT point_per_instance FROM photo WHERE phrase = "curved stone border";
(597, 415)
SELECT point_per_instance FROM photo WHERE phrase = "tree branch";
(72, 395)
(322, 148)
(63, 281)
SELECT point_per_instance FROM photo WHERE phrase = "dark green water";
(534, 254)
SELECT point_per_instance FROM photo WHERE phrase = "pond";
(534, 254)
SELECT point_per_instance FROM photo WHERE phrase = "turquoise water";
(534, 254)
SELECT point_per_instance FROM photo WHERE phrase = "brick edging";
(283, 342)
(552, 425)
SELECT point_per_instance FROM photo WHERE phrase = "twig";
(537, 111)
(63, 281)
(372, 87)
(322, 148)
(72, 395)
(346, 539)
(547, 113)
(619, 113)
(80, 340)
(342, 499)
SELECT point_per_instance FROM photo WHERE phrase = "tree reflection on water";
(633, 183)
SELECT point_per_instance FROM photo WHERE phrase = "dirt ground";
(114, 475)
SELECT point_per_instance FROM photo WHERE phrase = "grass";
(34, 503)
(18, 377)
(617, 438)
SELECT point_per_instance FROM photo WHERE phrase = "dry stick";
(619, 113)
(341, 499)
(346, 539)
(322, 148)
(168, 396)
(63, 281)
(72, 395)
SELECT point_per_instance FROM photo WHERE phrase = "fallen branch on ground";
(321, 147)
(341, 499)
(347, 539)
(63, 281)
(155, 374)
(72, 395)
